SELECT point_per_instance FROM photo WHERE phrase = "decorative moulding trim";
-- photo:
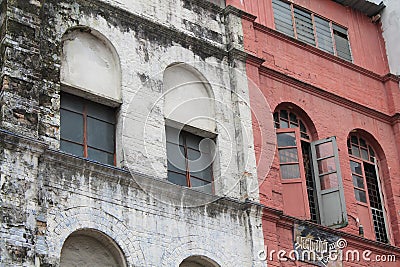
(240, 13)
(325, 95)
(317, 51)
(168, 31)
(286, 221)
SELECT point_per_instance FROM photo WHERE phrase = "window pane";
(326, 165)
(207, 145)
(205, 174)
(284, 124)
(71, 126)
(324, 150)
(358, 181)
(364, 154)
(290, 171)
(360, 195)
(355, 151)
(100, 135)
(286, 139)
(193, 155)
(293, 118)
(355, 167)
(177, 178)
(354, 140)
(176, 158)
(363, 143)
(284, 115)
(101, 112)
(304, 26)
(173, 135)
(342, 44)
(71, 102)
(201, 185)
(283, 17)
(192, 140)
(329, 181)
(72, 148)
(200, 164)
(288, 155)
(100, 156)
(323, 30)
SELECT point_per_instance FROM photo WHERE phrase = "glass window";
(290, 147)
(366, 185)
(87, 129)
(311, 29)
(189, 161)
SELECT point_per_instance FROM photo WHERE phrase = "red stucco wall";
(337, 96)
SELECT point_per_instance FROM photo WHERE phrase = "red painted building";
(322, 69)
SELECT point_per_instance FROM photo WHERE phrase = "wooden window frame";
(84, 114)
(375, 163)
(331, 23)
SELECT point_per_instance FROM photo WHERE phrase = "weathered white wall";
(154, 222)
(391, 33)
(90, 64)
(85, 250)
(188, 98)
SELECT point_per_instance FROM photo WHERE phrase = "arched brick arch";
(190, 248)
(62, 224)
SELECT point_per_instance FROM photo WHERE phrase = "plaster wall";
(391, 28)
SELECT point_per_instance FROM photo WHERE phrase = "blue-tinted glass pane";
(177, 178)
(358, 181)
(288, 155)
(355, 167)
(101, 112)
(72, 148)
(173, 135)
(192, 140)
(360, 195)
(100, 156)
(290, 171)
(201, 185)
(71, 126)
(205, 174)
(176, 158)
(71, 102)
(100, 135)
(286, 139)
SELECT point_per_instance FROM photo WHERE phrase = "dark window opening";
(308, 27)
(87, 129)
(190, 159)
(311, 189)
(289, 163)
(365, 174)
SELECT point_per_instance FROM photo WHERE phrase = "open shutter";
(383, 200)
(294, 188)
(328, 181)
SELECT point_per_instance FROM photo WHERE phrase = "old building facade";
(199, 133)
(92, 93)
(329, 91)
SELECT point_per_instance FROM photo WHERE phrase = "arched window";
(310, 172)
(190, 128)
(367, 187)
(198, 261)
(90, 84)
(291, 165)
(91, 248)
